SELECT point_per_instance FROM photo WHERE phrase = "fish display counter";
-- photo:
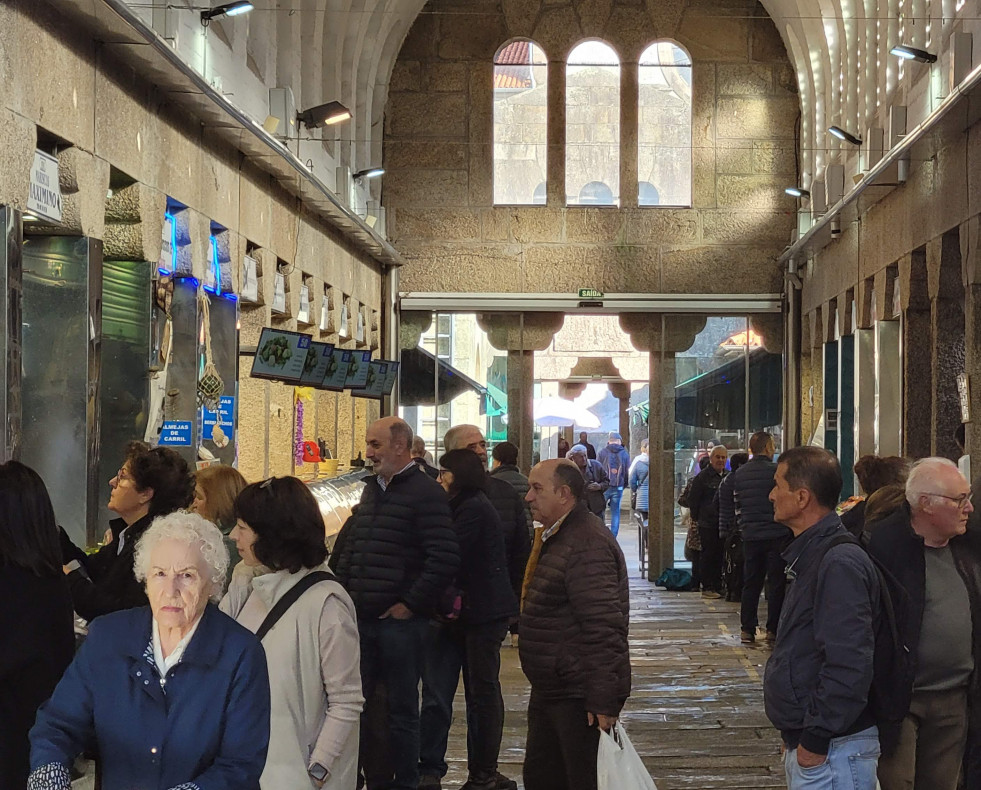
(336, 497)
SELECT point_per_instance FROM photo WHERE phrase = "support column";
(629, 107)
(970, 241)
(521, 335)
(662, 336)
(621, 391)
(846, 413)
(917, 358)
(555, 186)
(946, 341)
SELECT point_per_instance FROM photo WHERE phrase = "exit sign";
(590, 293)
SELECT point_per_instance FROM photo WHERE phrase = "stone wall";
(113, 124)
(438, 187)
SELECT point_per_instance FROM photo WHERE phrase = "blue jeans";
(476, 650)
(392, 653)
(851, 764)
(612, 496)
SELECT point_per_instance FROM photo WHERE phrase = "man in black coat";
(925, 547)
(744, 505)
(507, 503)
(398, 555)
(701, 499)
(574, 625)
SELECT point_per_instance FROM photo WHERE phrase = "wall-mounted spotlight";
(797, 192)
(324, 115)
(371, 172)
(227, 9)
(907, 52)
(841, 134)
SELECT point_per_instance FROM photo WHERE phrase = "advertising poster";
(219, 426)
(281, 355)
(315, 365)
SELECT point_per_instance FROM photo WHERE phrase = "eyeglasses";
(960, 500)
(121, 475)
(266, 483)
(442, 472)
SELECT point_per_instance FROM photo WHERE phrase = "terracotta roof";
(512, 66)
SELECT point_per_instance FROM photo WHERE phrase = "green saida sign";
(590, 293)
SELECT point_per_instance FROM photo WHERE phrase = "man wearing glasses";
(927, 547)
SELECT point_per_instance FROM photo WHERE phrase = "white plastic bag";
(618, 766)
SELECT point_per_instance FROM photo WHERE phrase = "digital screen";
(281, 355)
(315, 365)
(375, 385)
(358, 364)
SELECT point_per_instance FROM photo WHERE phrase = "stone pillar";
(621, 391)
(629, 95)
(946, 340)
(555, 187)
(917, 360)
(662, 336)
(521, 334)
(970, 241)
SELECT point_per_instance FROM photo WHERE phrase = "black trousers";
(711, 557)
(561, 750)
(763, 563)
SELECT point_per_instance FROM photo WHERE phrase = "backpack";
(893, 664)
(674, 579)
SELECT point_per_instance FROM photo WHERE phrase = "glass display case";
(336, 497)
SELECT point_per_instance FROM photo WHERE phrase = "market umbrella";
(559, 412)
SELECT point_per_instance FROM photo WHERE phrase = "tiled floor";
(696, 712)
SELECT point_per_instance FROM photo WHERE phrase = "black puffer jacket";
(511, 474)
(483, 575)
(514, 524)
(748, 506)
(575, 617)
(701, 498)
(398, 546)
(111, 584)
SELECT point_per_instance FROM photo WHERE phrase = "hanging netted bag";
(210, 384)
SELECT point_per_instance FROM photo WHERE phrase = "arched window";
(592, 122)
(664, 119)
(595, 193)
(539, 196)
(520, 122)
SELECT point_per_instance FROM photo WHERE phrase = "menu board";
(393, 376)
(358, 364)
(280, 355)
(315, 365)
(374, 387)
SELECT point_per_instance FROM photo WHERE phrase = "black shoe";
(429, 782)
(747, 637)
(497, 781)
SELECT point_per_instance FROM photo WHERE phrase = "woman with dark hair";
(35, 614)
(152, 482)
(283, 591)
(873, 472)
(472, 642)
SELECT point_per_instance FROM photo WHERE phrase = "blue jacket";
(640, 481)
(209, 731)
(817, 680)
(616, 461)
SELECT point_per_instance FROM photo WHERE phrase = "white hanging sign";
(279, 294)
(250, 279)
(359, 331)
(343, 331)
(304, 314)
(44, 197)
(325, 314)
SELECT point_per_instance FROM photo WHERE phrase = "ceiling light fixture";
(324, 115)
(226, 9)
(371, 172)
(841, 134)
(907, 52)
(797, 192)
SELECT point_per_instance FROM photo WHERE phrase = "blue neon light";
(173, 245)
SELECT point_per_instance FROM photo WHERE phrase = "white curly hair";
(193, 530)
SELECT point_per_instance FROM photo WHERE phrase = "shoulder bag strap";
(291, 597)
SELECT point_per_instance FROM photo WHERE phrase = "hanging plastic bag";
(618, 766)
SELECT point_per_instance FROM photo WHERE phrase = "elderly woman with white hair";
(174, 696)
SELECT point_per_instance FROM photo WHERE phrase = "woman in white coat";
(312, 647)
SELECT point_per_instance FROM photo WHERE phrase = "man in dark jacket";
(924, 546)
(744, 505)
(509, 506)
(590, 449)
(701, 502)
(616, 462)
(398, 554)
(595, 477)
(574, 626)
(505, 467)
(817, 682)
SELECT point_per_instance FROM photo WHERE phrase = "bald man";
(398, 555)
(574, 620)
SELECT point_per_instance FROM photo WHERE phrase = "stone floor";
(696, 712)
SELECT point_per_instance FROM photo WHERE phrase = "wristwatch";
(318, 772)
